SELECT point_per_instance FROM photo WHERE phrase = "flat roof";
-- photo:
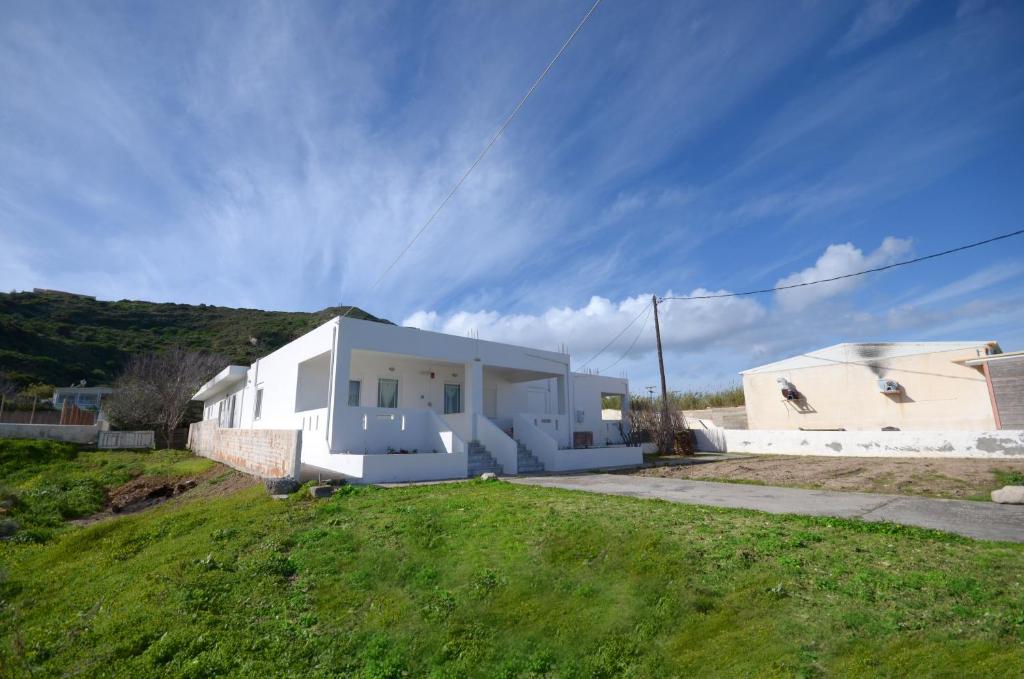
(866, 351)
(227, 377)
(991, 358)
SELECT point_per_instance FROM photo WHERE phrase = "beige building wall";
(938, 394)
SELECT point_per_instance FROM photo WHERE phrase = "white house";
(378, 402)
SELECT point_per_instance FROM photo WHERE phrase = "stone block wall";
(267, 453)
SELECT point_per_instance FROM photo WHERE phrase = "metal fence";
(43, 414)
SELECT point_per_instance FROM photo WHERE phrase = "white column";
(563, 395)
(474, 393)
(341, 361)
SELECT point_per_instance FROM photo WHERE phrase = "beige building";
(910, 386)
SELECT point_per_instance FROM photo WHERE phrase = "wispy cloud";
(281, 155)
(876, 19)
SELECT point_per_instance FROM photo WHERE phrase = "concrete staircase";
(528, 464)
(480, 460)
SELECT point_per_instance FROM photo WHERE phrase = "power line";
(635, 340)
(807, 283)
(852, 275)
(490, 143)
(621, 332)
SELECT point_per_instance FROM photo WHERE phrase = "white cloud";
(972, 283)
(685, 325)
(876, 19)
(838, 260)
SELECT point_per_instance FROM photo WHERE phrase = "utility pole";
(665, 420)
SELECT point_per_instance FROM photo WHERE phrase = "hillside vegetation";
(491, 579)
(56, 338)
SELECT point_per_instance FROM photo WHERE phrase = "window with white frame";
(387, 393)
(257, 410)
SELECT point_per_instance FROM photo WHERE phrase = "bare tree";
(648, 424)
(155, 388)
(7, 387)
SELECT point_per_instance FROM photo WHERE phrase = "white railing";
(442, 433)
(498, 444)
(555, 426)
(543, 447)
(461, 424)
(373, 431)
(312, 420)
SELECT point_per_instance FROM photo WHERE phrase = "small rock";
(8, 527)
(321, 491)
(1009, 495)
(488, 476)
(282, 486)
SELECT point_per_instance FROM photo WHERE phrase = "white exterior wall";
(416, 388)
(305, 387)
(278, 375)
(1001, 444)
(840, 391)
(587, 391)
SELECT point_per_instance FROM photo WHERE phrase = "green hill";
(59, 338)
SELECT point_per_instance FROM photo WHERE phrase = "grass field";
(492, 579)
(46, 482)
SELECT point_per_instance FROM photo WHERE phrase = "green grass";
(492, 579)
(47, 482)
(1009, 478)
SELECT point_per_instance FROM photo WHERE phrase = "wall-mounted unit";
(789, 392)
(889, 386)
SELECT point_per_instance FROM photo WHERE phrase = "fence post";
(3, 398)
(32, 417)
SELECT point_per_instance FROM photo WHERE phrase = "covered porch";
(393, 402)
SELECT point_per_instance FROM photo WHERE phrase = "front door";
(452, 398)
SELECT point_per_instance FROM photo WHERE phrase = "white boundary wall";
(69, 433)
(1000, 444)
(126, 440)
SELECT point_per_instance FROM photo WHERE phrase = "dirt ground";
(946, 478)
(146, 491)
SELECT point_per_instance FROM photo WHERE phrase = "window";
(387, 393)
(258, 408)
(452, 398)
(353, 392)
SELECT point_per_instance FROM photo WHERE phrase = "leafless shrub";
(7, 387)
(648, 424)
(155, 389)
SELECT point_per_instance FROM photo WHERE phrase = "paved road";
(981, 520)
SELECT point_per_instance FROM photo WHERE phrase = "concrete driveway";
(980, 520)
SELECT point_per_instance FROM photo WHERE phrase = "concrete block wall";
(70, 433)
(267, 453)
(734, 417)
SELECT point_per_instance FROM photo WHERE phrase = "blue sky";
(279, 156)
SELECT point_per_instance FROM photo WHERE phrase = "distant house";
(455, 406)
(873, 386)
(85, 398)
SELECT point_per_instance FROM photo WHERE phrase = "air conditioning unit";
(789, 392)
(889, 386)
